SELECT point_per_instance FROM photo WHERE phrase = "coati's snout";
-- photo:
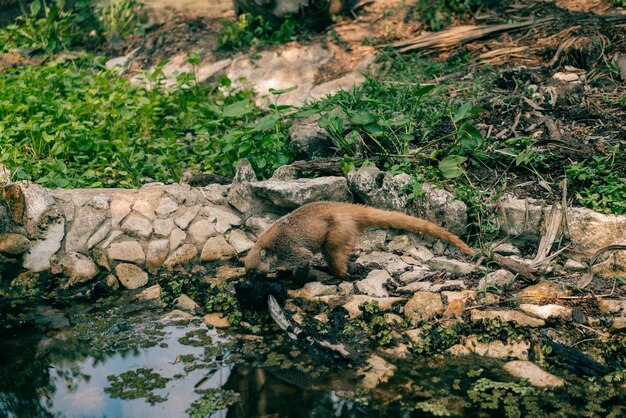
(257, 262)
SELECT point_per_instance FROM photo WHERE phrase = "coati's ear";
(263, 253)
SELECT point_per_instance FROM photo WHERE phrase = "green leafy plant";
(50, 26)
(212, 400)
(435, 339)
(135, 384)
(437, 13)
(249, 30)
(119, 18)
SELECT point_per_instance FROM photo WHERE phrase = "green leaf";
(283, 91)
(470, 136)
(362, 118)
(237, 109)
(450, 166)
(462, 112)
(35, 7)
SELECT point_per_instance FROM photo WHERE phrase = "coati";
(331, 228)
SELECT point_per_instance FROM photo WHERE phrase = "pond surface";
(94, 361)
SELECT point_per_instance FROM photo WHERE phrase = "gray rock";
(156, 254)
(163, 227)
(216, 248)
(120, 208)
(100, 234)
(347, 82)
(421, 253)
(313, 290)
(259, 224)
(224, 218)
(38, 201)
(401, 244)
(534, 374)
(130, 251)
(451, 266)
(244, 172)
(506, 248)
(547, 311)
(308, 140)
(374, 284)
(373, 240)
(131, 276)
(137, 226)
(38, 257)
(115, 234)
(239, 241)
(88, 221)
(423, 306)
(185, 303)
(13, 244)
(144, 208)
(166, 206)
(416, 273)
(498, 349)
(185, 215)
(100, 201)
(201, 230)
(507, 316)
(78, 268)
(464, 295)
(573, 265)
(176, 238)
(243, 198)
(291, 194)
(380, 189)
(379, 260)
(121, 63)
(150, 293)
(215, 193)
(440, 207)
(182, 255)
(499, 278)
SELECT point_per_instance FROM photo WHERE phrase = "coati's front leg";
(299, 262)
(340, 241)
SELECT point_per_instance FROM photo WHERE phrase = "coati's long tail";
(367, 217)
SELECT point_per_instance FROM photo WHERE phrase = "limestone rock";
(166, 207)
(216, 248)
(185, 303)
(215, 319)
(243, 198)
(127, 251)
(100, 234)
(401, 244)
(417, 273)
(112, 282)
(13, 244)
(465, 295)
(619, 323)
(547, 311)
(421, 253)
(156, 254)
(498, 349)
(455, 309)
(451, 266)
(88, 220)
(346, 82)
(185, 215)
(150, 293)
(259, 224)
(612, 305)
(423, 306)
(573, 265)
(145, 208)
(228, 273)
(440, 207)
(176, 238)
(542, 290)
(216, 193)
(313, 290)
(506, 248)
(137, 226)
(244, 172)
(224, 219)
(163, 227)
(100, 202)
(178, 315)
(379, 260)
(535, 375)
(458, 350)
(100, 258)
(308, 140)
(291, 194)
(345, 288)
(376, 371)
(373, 240)
(374, 284)
(378, 188)
(131, 276)
(38, 257)
(499, 278)
(201, 230)
(354, 302)
(38, 201)
(120, 208)
(182, 255)
(508, 315)
(239, 241)
(78, 268)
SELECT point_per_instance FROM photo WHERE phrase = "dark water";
(63, 362)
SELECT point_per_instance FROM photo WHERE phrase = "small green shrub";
(437, 13)
(250, 30)
(74, 124)
(51, 26)
(119, 18)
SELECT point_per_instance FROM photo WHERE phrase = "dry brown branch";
(588, 277)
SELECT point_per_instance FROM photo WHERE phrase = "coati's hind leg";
(340, 241)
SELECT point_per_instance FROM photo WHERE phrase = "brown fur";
(331, 228)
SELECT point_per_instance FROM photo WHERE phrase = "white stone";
(374, 284)
(87, 222)
(225, 219)
(185, 215)
(507, 316)
(216, 248)
(421, 253)
(178, 315)
(535, 375)
(176, 238)
(150, 293)
(38, 257)
(185, 303)
(100, 202)
(373, 240)
(100, 234)
(120, 208)
(240, 241)
(145, 208)
(547, 311)
(201, 230)
(38, 201)
(163, 227)
(390, 262)
(116, 233)
(451, 266)
(78, 268)
(498, 349)
(182, 255)
(313, 290)
(131, 276)
(157, 253)
(417, 273)
(499, 279)
(127, 251)
(166, 206)
(137, 225)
